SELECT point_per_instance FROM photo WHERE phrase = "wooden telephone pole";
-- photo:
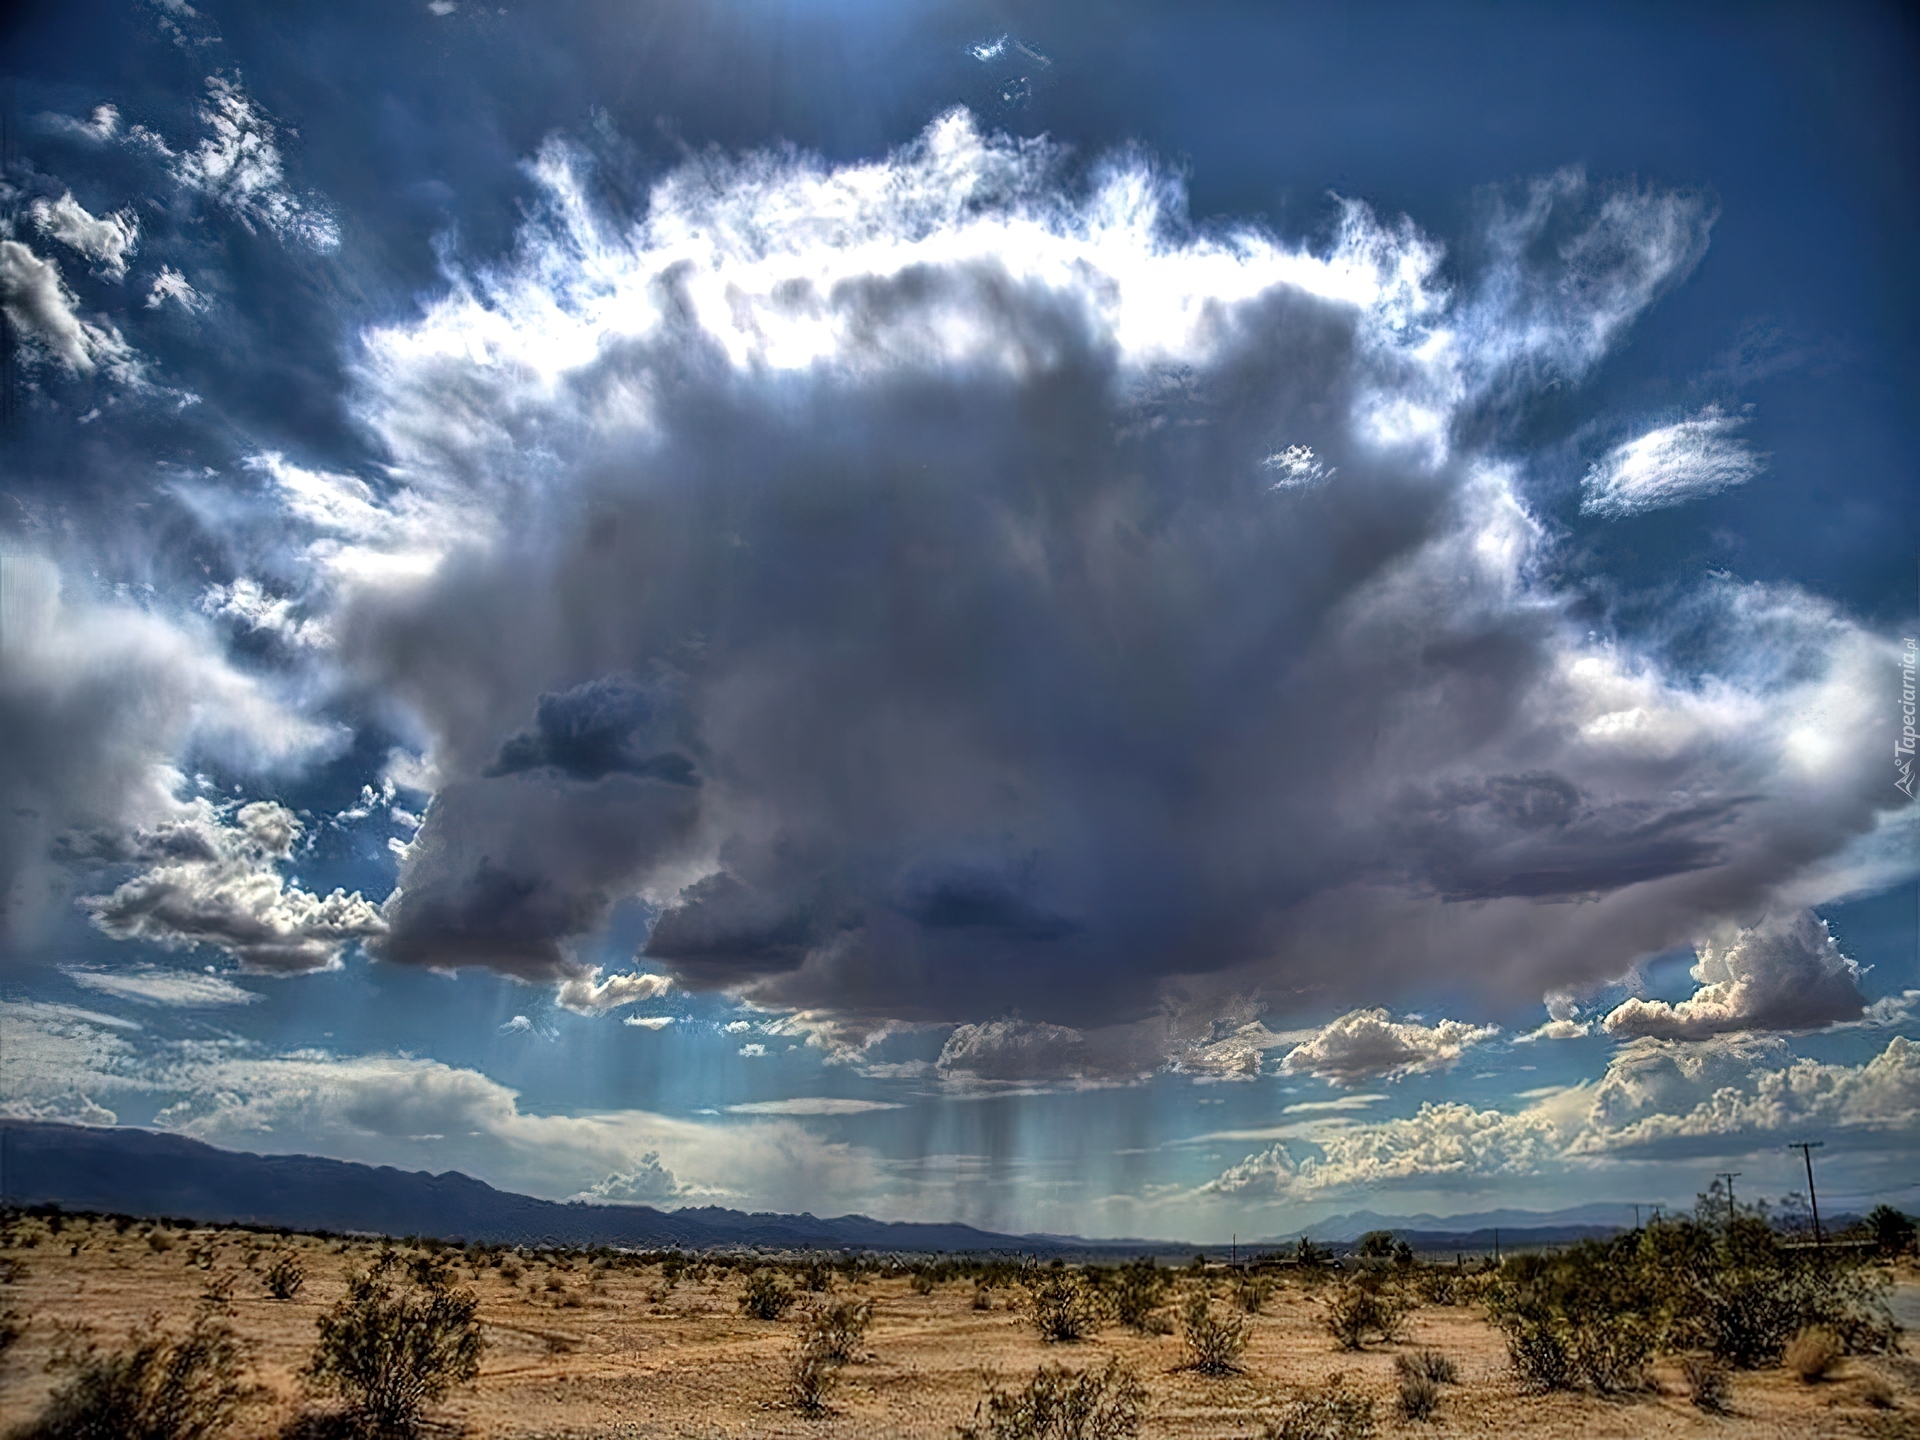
(1806, 1149)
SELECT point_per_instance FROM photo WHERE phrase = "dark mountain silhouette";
(147, 1172)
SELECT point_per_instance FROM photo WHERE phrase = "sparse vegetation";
(285, 1277)
(1812, 1354)
(1364, 1308)
(1060, 1305)
(397, 1342)
(1214, 1343)
(158, 1386)
(764, 1297)
(1596, 1314)
(1709, 1383)
(840, 1328)
(1334, 1413)
(1062, 1404)
(1136, 1290)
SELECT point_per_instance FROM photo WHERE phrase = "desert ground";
(581, 1350)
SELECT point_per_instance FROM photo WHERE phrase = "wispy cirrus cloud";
(1670, 465)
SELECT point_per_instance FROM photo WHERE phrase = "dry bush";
(1419, 1396)
(285, 1276)
(921, 1283)
(1709, 1383)
(398, 1341)
(764, 1297)
(158, 1386)
(12, 1326)
(1062, 1404)
(1813, 1353)
(1060, 1305)
(839, 1328)
(1333, 1414)
(1430, 1365)
(810, 1374)
(159, 1241)
(1213, 1343)
(982, 1297)
(1360, 1308)
(1250, 1292)
(1137, 1287)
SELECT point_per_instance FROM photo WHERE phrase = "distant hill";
(1603, 1218)
(147, 1172)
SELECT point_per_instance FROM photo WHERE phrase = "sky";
(1095, 618)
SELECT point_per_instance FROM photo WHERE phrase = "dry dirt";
(582, 1353)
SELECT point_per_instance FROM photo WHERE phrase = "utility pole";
(1636, 1217)
(1806, 1149)
(1729, 1176)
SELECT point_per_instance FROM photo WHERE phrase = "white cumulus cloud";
(1786, 973)
(1367, 1045)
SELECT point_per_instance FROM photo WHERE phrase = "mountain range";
(156, 1173)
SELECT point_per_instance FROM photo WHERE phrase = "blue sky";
(1118, 619)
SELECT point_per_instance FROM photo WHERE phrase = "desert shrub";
(1135, 1291)
(817, 1274)
(159, 1241)
(13, 1270)
(158, 1386)
(764, 1297)
(921, 1283)
(1892, 1230)
(1333, 1414)
(1812, 1354)
(1729, 1288)
(1436, 1285)
(1418, 1396)
(1213, 1343)
(398, 1341)
(1432, 1364)
(1375, 1245)
(840, 1328)
(1536, 1345)
(12, 1326)
(1360, 1308)
(1059, 1304)
(672, 1265)
(982, 1296)
(1062, 1404)
(810, 1373)
(1709, 1382)
(1250, 1292)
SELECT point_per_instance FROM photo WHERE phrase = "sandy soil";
(582, 1353)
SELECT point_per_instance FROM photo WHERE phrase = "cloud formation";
(99, 698)
(107, 240)
(210, 882)
(44, 312)
(237, 165)
(152, 985)
(1368, 1045)
(877, 569)
(1670, 466)
(1657, 1098)
(1786, 973)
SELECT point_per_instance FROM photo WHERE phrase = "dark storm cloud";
(1059, 601)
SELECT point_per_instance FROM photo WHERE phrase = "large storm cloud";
(956, 585)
